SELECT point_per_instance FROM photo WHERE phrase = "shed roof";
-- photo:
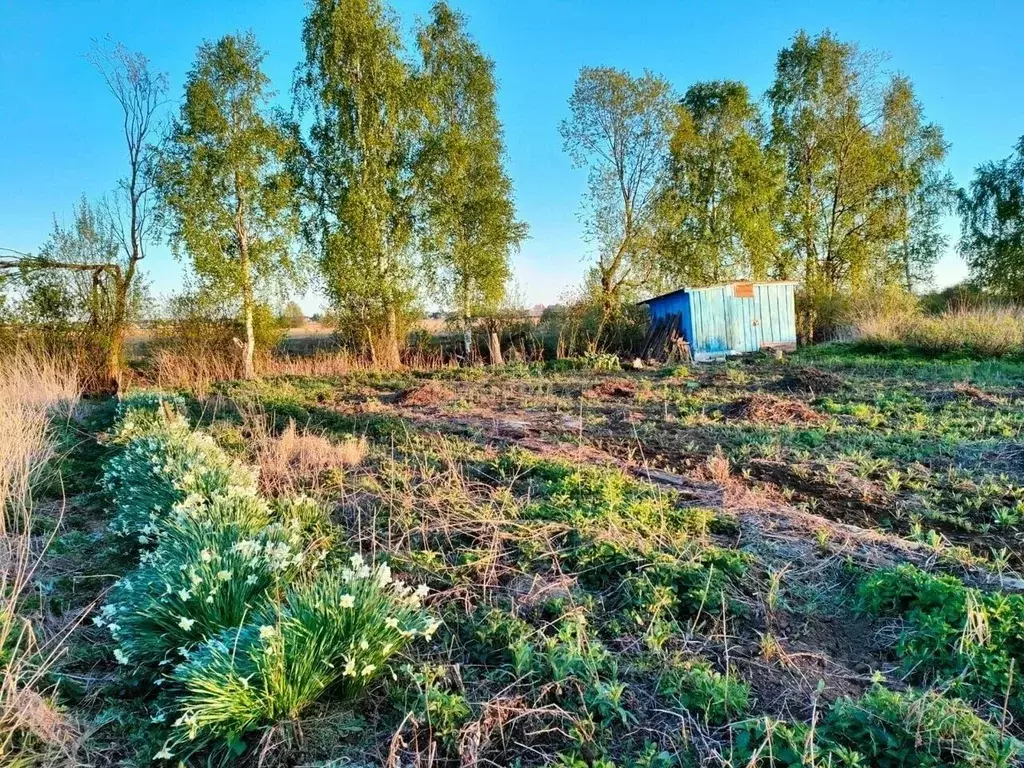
(689, 288)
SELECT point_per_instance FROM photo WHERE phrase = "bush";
(338, 632)
(961, 635)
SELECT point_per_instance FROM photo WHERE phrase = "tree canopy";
(992, 215)
(720, 203)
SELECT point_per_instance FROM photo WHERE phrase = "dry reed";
(197, 372)
(33, 393)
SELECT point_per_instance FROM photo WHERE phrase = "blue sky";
(59, 128)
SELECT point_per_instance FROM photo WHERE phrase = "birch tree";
(357, 93)
(619, 129)
(224, 179)
(469, 227)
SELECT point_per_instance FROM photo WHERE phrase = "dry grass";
(294, 459)
(988, 331)
(32, 394)
(194, 372)
(198, 372)
(29, 391)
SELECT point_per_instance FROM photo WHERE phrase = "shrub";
(338, 632)
(697, 686)
(961, 635)
(210, 572)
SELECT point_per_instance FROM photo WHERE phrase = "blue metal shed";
(729, 319)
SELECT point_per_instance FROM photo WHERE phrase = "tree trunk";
(242, 234)
(113, 362)
(248, 364)
(118, 330)
(467, 341)
(390, 357)
(494, 348)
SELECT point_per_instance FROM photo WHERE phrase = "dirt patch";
(769, 409)
(811, 379)
(611, 388)
(431, 393)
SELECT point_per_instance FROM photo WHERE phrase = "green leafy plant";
(213, 569)
(697, 686)
(156, 471)
(882, 729)
(966, 637)
(337, 633)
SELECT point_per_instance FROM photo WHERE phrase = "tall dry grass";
(994, 331)
(199, 372)
(33, 393)
(295, 460)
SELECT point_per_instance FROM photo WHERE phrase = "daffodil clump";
(156, 471)
(144, 413)
(230, 611)
(207, 574)
(337, 632)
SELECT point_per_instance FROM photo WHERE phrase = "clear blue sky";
(59, 128)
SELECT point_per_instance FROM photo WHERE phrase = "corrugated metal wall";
(716, 321)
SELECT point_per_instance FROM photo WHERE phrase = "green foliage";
(983, 332)
(212, 570)
(336, 633)
(443, 710)
(959, 635)
(292, 315)
(890, 729)
(720, 204)
(602, 362)
(147, 412)
(156, 471)
(883, 728)
(569, 492)
(230, 614)
(222, 176)
(992, 221)
(697, 686)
